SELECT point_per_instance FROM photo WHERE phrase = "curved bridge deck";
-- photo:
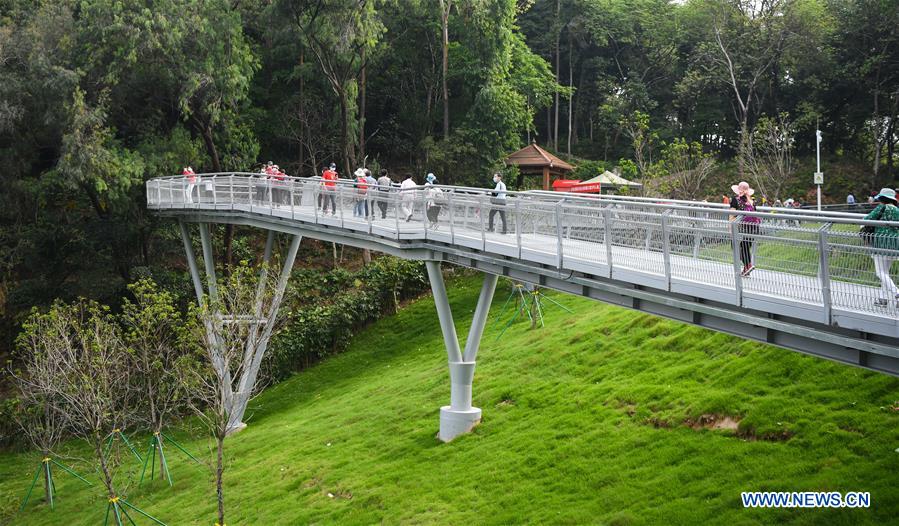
(815, 289)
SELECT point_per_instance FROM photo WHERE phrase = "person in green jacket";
(886, 238)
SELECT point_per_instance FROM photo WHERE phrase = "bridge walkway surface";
(814, 290)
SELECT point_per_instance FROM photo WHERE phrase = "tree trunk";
(890, 150)
(362, 108)
(571, 97)
(344, 132)
(558, 77)
(104, 467)
(549, 127)
(302, 120)
(219, 471)
(366, 256)
(47, 487)
(878, 144)
(209, 141)
(445, 7)
(744, 150)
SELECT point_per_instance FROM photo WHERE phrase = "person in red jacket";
(277, 179)
(188, 172)
(360, 208)
(329, 188)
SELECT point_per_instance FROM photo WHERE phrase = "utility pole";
(819, 175)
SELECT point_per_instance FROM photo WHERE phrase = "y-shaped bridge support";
(262, 321)
(459, 417)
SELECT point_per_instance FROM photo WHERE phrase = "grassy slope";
(584, 422)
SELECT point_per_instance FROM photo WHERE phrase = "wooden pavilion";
(533, 159)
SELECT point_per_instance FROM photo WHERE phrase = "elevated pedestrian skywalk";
(814, 290)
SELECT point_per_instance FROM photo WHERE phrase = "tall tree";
(445, 8)
(341, 34)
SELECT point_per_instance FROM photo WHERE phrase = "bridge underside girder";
(861, 349)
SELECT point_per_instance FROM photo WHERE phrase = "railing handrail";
(581, 202)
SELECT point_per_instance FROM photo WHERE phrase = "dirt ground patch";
(709, 421)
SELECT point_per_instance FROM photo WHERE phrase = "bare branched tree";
(770, 159)
(39, 414)
(82, 349)
(748, 51)
(233, 330)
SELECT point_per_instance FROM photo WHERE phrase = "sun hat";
(431, 178)
(359, 172)
(742, 188)
(889, 193)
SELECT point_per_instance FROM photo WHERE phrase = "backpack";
(866, 232)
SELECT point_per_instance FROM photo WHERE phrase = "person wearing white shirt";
(498, 202)
(407, 190)
(384, 186)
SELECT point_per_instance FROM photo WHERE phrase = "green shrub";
(325, 310)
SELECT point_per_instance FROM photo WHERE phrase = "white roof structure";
(608, 178)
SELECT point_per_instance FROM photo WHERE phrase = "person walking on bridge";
(498, 202)
(434, 197)
(370, 200)
(384, 186)
(329, 188)
(886, 244)
(749, 226)
(191, 183)
(360, 208)
(407, 191)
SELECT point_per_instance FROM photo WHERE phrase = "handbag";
(866, 232)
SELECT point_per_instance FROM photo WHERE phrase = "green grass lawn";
(595, 419)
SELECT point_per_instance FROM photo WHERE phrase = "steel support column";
(262, 322)
(460, 417)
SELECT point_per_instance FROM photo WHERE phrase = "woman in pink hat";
(749, 225)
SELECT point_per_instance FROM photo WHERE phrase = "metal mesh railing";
(808, 259)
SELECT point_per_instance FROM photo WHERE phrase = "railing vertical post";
(397, 198)
(738, 277)
(293, 213)
(666, 249)
(824, 272)
(449, 201)
(518, 225)
(231, 189)
(315, 205)
(697, 238)
(607, 235)
(370, 205)
(215, 200)
(424, 213)
(339, 190)
(559, 230)
(483, 229)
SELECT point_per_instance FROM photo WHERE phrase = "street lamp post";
(819, 175)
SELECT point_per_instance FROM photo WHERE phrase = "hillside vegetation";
(605, 416)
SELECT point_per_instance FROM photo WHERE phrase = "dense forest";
(97, 96)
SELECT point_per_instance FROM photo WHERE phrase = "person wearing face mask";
(434, 197)
(498, 202)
